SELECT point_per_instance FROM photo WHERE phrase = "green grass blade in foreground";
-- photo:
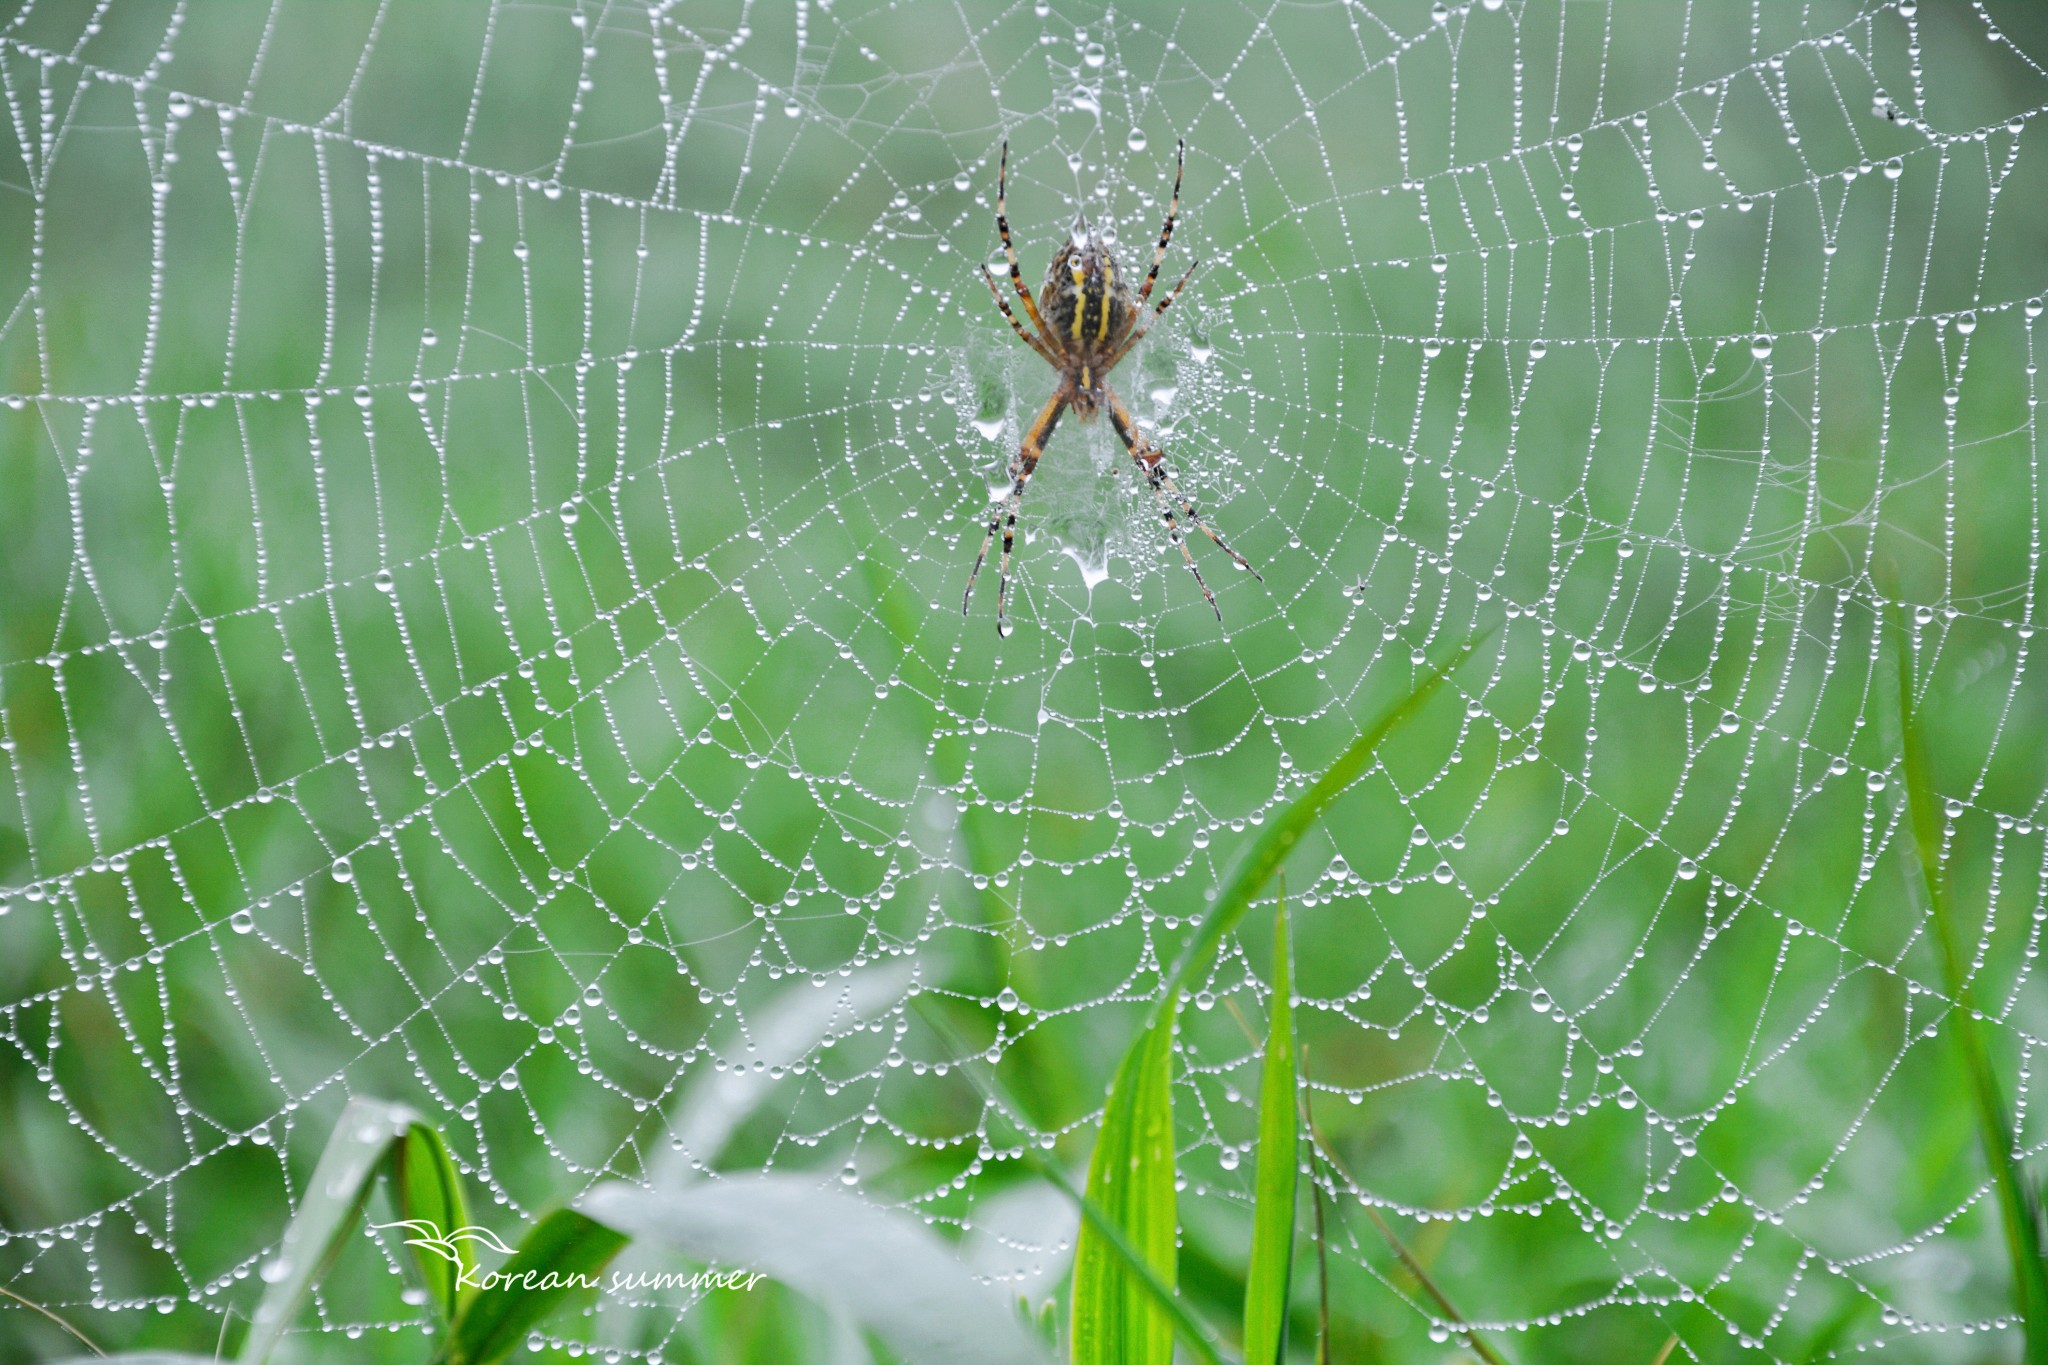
(1130, 1184)
(333, 1200)
(1272, 1261)
(427, 1189)
(1197, 1336)
(563, 1254)
(1131, 1174)
(2018, 1199)
(884, 1270)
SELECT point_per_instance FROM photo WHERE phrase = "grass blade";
(333, 1200)
(886, 1271)
(2018, 1199)
(563, 1254)
(34, 1307)
(1130, 1184)
(427, 1188)
(1130, 1176)
(1272, 1261)
(1194, 1334)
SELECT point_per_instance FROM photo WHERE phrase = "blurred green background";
(485, 493)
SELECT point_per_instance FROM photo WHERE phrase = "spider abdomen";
(1085, 300)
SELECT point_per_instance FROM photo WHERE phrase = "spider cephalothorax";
(1085, 320)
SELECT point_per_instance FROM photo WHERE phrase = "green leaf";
(2018, 1199)
(333, 1200)
(563, 1254)
(1130, 1183)
(1267, 1281)
(887, 1271)
(427, 1189)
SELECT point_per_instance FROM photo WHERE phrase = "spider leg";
(1009, 247)
(1144, 325)
(1029, 340)
(1180, 156)
(1004, 518)
(1153, 463)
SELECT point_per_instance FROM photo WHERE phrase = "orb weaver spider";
(1086, 320)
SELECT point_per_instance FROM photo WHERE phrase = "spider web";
(488, 492)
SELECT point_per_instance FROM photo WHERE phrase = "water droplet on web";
(385, 582)
(342, 870)
(990, 428)
(1136, 141)
(1760, 347)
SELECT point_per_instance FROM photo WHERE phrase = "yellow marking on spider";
(1108, 288)
(1080, 303)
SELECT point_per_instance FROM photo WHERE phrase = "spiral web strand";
(488, 491)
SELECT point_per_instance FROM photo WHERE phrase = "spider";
(1086, 320)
